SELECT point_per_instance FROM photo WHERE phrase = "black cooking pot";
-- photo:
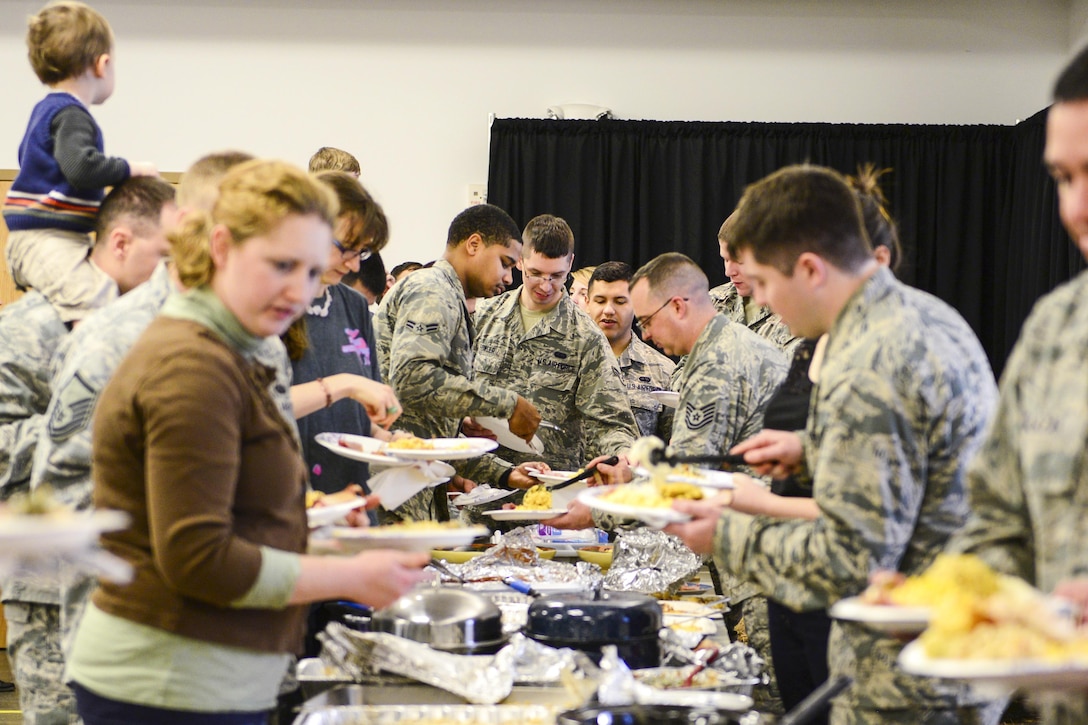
(648, 715)
(589, 621)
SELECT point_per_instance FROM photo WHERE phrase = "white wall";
(407, 85)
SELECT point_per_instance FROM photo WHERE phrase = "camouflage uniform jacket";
(1029, 482)
(424, 340)
(903, 400)
(729, 376)
(724, 386)
(644, 370)
(31, 330)
(768, 325)
(565, 368)
(82, 366)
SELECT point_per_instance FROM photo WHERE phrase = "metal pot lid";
(577, 617)
(441, 617)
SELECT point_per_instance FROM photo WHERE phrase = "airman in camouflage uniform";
(425, 336)
(139, 208)
(903, 400)
(535, 340)
(564, 367)
(643, 369)
(734, 299)
(729, 375)
(1029, 482)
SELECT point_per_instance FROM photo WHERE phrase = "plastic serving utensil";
(659, 455)
(585, 474)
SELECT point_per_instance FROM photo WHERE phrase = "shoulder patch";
(73, 409)
(696, 418)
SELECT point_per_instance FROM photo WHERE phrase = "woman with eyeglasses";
(332, 345)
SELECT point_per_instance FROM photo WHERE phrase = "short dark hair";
(1072, 84)
(141, 198)
(611, 272)
(549, 235)
(489, 221)
(800, 209)
(371, 275)
(405, 267)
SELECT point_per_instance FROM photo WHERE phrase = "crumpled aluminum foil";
(480, 679)
(516, 556)
(536, 663)
(647, 560)
(736, 659)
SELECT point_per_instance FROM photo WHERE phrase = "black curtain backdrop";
(977, 212)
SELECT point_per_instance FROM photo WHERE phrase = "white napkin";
(397, 485)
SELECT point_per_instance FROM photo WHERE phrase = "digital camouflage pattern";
(565, 368)
(767, 324)
(644, 370)
(37, 664)
(904, 398)
(424, 340)
(1029, 482)
(725, 384)
(31, 330)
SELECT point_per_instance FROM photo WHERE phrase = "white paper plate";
(395, 537)
(685, 609)
(996, 677)
(666, 397)
(482, 495)
(324, 515)
(658, 518)
(446, 449)
(881, 617)
(524, 514)
(553, 477)
(370, 452)
(694, 625)
(64, 531)
(501, 429)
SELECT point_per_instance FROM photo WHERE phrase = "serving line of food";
(529, 625)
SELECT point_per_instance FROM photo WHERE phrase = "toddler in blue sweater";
(63, 172)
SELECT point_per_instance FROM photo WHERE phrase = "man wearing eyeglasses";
(536, 341)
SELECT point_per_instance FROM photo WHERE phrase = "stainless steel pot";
(453, 620)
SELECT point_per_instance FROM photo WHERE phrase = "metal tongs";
(666, 455)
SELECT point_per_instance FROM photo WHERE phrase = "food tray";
(431, 715)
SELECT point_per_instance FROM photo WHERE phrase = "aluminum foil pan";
(431, 715)
(648, 561)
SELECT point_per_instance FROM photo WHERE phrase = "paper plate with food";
(995, 631)
(54, 532)
(482, 494)
(408, 536)
(685, 473)
(535, 506)
(330, 508)
(650, 503)
(359, 448)
(412, 448)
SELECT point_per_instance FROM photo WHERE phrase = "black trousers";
(799, 648)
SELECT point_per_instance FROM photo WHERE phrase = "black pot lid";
(575, 616)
